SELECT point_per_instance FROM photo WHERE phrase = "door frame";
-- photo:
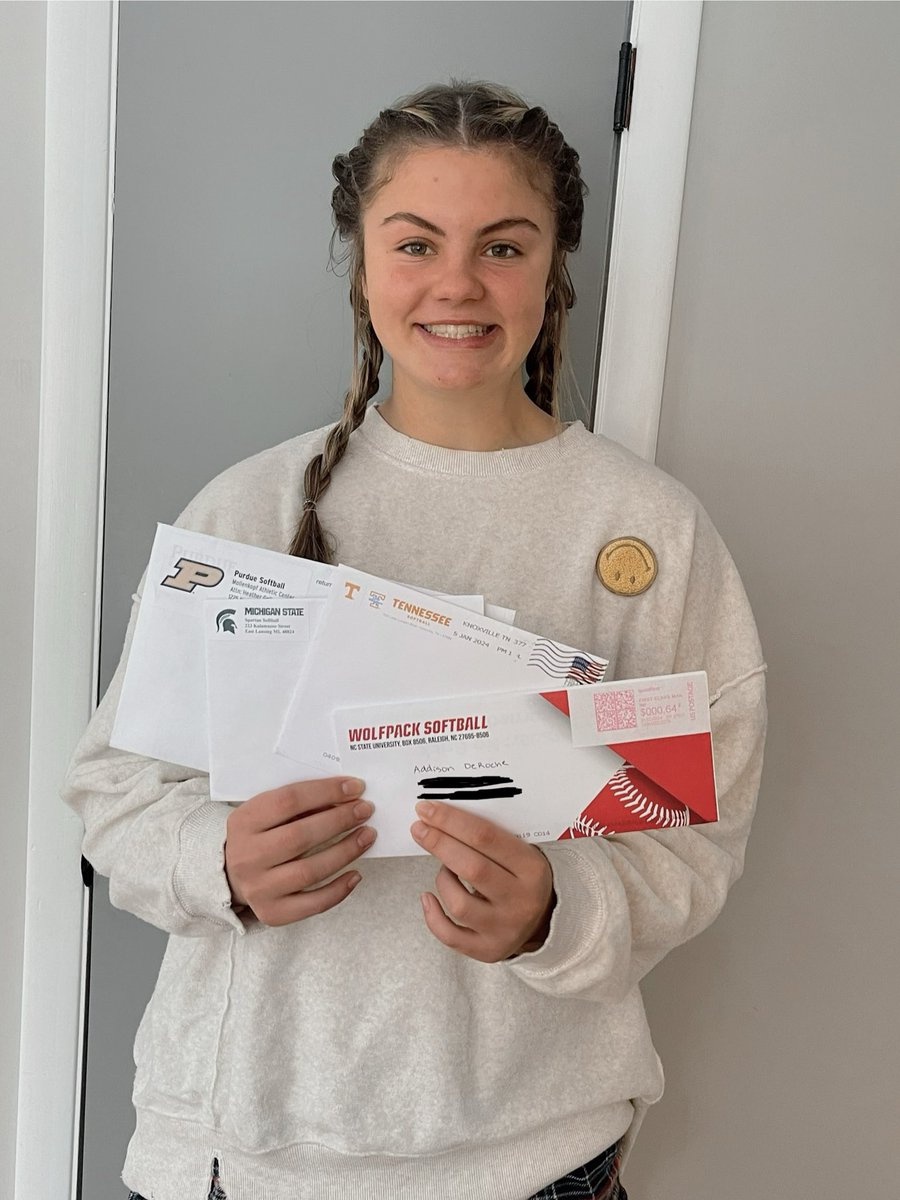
(81, 66)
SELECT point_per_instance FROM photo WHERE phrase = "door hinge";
(624, 87)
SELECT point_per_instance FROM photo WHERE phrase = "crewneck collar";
(519, 460)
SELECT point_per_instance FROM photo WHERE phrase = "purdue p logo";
(189, 574)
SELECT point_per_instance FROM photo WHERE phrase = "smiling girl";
(466, 1024)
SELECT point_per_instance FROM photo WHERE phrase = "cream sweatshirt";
(352, 1054)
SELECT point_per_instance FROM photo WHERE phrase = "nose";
(458, 278)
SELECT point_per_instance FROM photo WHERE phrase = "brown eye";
(502, 250)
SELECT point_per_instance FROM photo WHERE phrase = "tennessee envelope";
(548, 766)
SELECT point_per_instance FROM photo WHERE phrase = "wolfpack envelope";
(580, 762)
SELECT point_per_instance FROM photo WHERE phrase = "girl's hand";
(277, 851)
(509, 910)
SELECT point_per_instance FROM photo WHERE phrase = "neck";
(469, 422)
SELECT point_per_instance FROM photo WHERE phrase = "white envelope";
(162, 709)
(547, 766)
(254, 652)
(379, 642)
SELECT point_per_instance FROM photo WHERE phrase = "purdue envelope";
(162, 708)
(580, 762)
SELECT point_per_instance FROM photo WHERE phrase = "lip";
(474, 342)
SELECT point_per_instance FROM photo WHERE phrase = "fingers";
(280, 805)
(508, 907)
(294, 890)
(308, 904)
(491, 859)
(290, 839)
(462, 906)
(303, 835)
(469, 829)
(310, 871)
(454, 936)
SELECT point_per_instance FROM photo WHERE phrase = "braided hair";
(472, 116)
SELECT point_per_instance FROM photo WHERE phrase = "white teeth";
(456, 331)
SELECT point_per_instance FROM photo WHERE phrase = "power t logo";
(350, 590)
(189, 575)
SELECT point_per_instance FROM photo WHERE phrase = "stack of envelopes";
(263, 669)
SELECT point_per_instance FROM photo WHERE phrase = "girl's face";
(457, 252)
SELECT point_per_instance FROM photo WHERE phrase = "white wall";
(780, 409)
(22, 51)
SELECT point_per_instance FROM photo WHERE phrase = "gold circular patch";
(626, 566)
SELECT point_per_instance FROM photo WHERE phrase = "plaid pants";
(596, 1180)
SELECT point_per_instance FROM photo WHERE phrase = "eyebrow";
(494, 227)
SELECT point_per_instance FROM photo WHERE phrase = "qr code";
(614, 710)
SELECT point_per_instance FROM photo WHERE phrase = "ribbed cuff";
(200, 882)
(577, 923)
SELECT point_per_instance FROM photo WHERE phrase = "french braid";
(471, 115)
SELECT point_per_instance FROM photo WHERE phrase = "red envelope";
(663, 782)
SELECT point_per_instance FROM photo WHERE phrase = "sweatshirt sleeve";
(625, 901)
(151, 827)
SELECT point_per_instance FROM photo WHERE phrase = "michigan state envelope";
(162, 708)
(569, 763)
(254, 653)
(379, 642)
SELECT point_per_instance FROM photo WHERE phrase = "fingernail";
(366, 837)
(353, 880)
(353, 787)
(425, 808)
(425, 900)
(362, 810)
(418, 830)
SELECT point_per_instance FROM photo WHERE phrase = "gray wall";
(22, 58)
(778, 1026)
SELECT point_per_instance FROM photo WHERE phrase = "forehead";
(466, 187)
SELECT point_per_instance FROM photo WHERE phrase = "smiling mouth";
(458, 332)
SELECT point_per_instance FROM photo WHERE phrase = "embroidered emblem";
(626, 566)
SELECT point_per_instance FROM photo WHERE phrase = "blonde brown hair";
(471, 115)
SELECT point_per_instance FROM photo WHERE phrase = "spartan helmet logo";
(225, 621)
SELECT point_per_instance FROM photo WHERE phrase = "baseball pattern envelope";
(578, 762)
